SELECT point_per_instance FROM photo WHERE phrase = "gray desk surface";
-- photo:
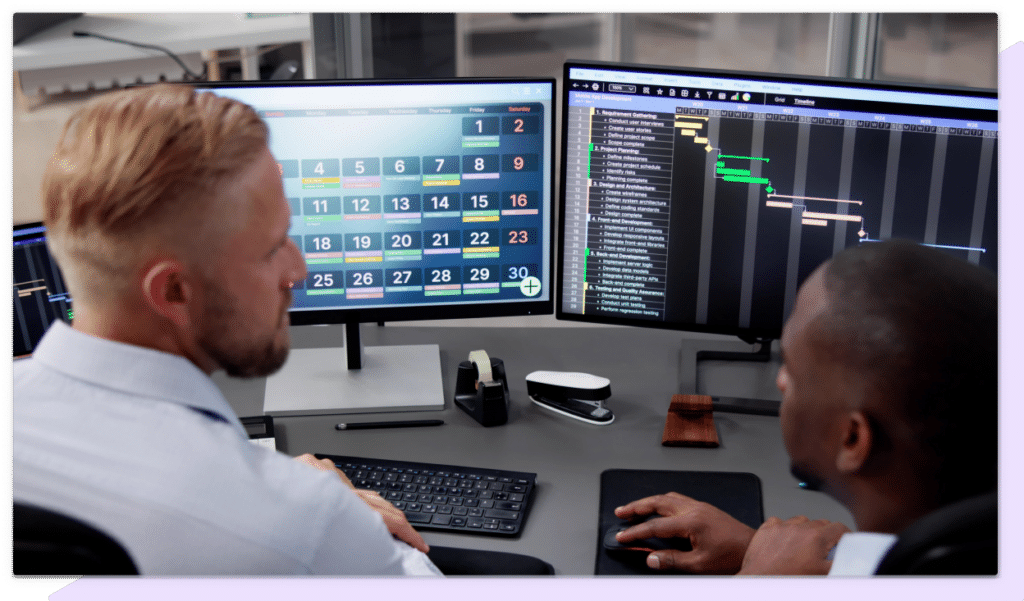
(646, 367)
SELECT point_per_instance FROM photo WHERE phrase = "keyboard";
(450, 498)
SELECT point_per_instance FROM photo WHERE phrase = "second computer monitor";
(700, 200)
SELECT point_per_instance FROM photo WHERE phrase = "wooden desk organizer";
(690, 422)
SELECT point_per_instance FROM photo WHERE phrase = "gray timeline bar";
(707, 222)
(889, 194)
(796, 219)
(750, 237)
(985, 164)
(845, 183)
(931, 224)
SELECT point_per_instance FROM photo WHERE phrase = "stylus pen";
(408, 424)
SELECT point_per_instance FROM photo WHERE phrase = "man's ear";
(856, 443)
(167, 291)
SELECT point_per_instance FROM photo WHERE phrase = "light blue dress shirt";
(859, 553)
(105, 432)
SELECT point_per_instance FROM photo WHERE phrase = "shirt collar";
(132, 369)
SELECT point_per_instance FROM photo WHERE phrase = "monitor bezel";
(437, 311)
(749, 334)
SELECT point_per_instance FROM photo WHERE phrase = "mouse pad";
(736, 493)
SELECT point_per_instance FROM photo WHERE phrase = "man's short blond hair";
(139, 168)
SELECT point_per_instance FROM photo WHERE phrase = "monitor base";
(592, 412)
(392, 378)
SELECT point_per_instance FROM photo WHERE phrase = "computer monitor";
(699, 200)
(411, 199)
(40, 296)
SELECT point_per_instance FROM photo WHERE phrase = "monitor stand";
(351, 379)
(763, 353)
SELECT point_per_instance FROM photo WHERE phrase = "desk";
(54, 61)
(645, 368)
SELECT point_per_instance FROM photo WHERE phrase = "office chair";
(47, 543)
(957, 540)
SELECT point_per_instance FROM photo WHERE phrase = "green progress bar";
(586, 253)
(724, 171)
(733, 156)
(589, 153)
(746, 180)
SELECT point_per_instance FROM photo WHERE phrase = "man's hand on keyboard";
(719, 541)
(394, 519)
(324, 465)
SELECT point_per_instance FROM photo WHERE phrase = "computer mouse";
(642, 546)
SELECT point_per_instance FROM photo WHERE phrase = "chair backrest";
(47, 543)
(960, 539)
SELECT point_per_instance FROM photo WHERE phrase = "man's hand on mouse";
(394, 519)
(719, 541)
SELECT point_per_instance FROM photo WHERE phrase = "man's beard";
(226, 339)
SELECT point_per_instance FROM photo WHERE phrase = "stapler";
(577, 395)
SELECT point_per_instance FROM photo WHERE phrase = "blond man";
(165, 212)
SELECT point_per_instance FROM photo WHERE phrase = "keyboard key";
(416, 517)
(501, 514)
(441, 520)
